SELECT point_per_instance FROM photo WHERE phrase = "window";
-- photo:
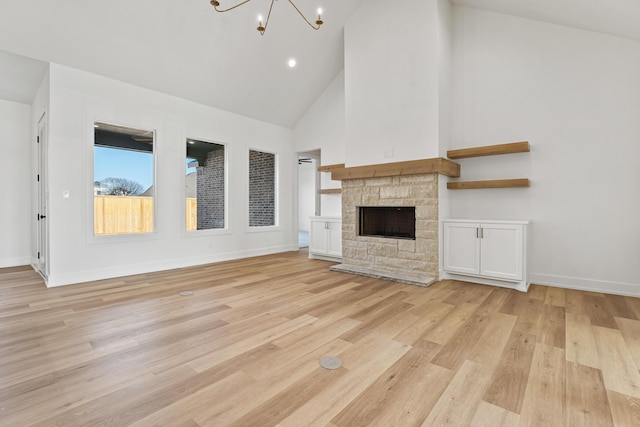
(205, 185)
(123, 180)
(262, 189)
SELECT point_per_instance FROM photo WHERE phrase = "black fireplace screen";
(388, 221)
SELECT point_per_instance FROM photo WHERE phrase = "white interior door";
(43, 195)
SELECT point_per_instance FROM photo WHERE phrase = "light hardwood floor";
(243, 350)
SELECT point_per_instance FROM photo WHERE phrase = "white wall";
(391, 82)
(77, 99)
(15, 184)
(445, 52)
(575, 95)
(322, 128)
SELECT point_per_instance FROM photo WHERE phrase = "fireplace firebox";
(388, 221)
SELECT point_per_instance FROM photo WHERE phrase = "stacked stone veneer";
(419, 256)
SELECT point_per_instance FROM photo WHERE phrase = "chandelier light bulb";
(260, 28)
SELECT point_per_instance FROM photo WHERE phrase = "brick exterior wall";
(418, 256)
(262, 187)
(210, 191)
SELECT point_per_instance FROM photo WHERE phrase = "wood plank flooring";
(243, 350)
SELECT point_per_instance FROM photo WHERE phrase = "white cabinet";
(493, 252)
(325, 238)
(461, 248)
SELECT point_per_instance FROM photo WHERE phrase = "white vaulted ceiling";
(616, 17)
(184, 48)
(19, 77)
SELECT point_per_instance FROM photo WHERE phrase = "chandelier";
(262, 28)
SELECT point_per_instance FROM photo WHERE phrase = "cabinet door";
(461, 248)
(502, 251)
(334, 246)
(318, 237)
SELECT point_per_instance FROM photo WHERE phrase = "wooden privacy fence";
(122, 215)
(192, 214)
(129, 215)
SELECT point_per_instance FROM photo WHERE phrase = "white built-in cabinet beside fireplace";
(486, 252)
(325, 238)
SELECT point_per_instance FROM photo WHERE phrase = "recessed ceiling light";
(291, 63)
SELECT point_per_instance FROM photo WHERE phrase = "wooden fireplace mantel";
(412, 167)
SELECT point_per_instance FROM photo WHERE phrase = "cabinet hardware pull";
(477, 233)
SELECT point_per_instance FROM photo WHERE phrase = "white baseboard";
(566, 282)
(617, 288)
(120, 271)
(15, 261)
(521, 286)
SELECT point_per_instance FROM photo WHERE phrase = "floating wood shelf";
(489, 150)
(412, 167)
(498, 183)
(330, 168)
(330, 191)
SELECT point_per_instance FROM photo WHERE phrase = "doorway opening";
(308, 197)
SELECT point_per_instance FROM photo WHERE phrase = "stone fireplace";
(404, 260)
